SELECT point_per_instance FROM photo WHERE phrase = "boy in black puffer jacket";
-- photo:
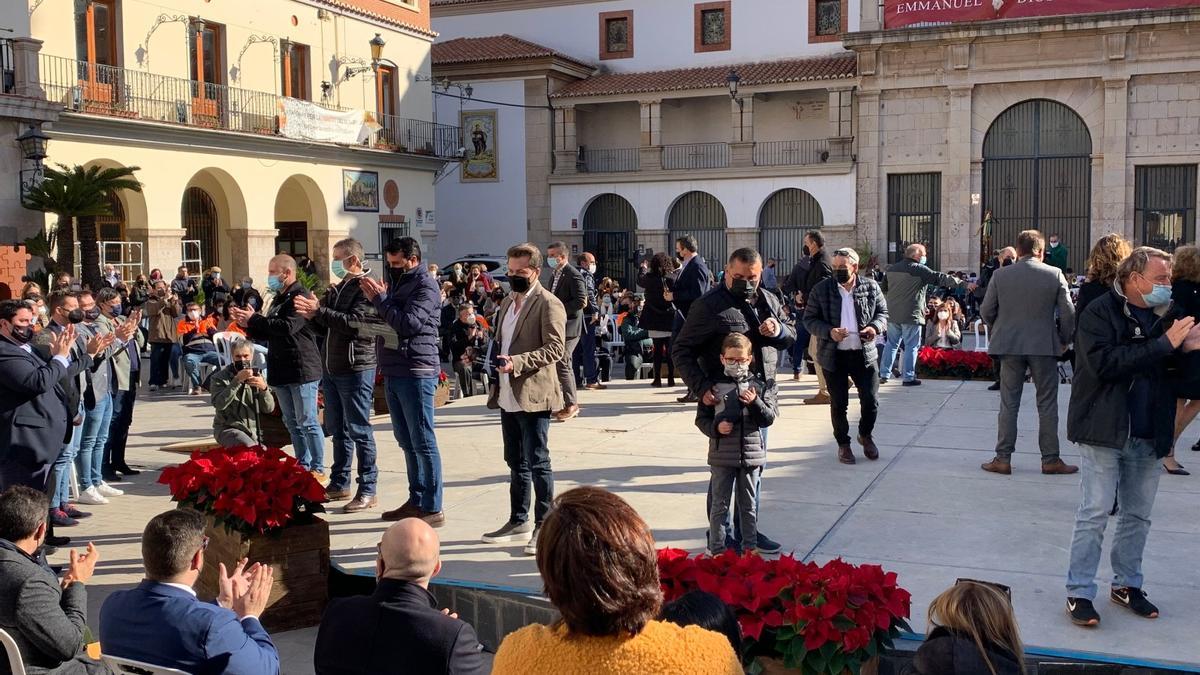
(736, 452)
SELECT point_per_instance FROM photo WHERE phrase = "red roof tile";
(493, 48)
(386, 12)
(713, 77)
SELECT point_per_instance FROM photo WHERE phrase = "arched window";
(610, 233)
(782, 222)
(199, 215)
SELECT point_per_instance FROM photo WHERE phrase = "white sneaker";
(531, 547)
(91, 497)
(109, 491)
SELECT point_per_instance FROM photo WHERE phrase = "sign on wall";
(482, 160)
(900, 13)
(360, 190)
(308, 121)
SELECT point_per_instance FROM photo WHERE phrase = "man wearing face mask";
(1031, 320)
(196, 333)
(1057, 255)
(246, 296)
(97, 404)
(845, 313)
(184, 286)
(161, 310)
(585, 352)
(349, 381)
(1122, 415)
(410, 304)
(126, 364)
(905, 285)
(240, 397)
(737, 305)
(216, 289)
(568, 285)
(466, 342)
(293, 361)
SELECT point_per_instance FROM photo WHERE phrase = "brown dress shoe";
(596, 386)
(567, 413)
(869, 447)
(361, 503)
(795, 376)
(845, 454)
(337, 495)
(409, 510)
(819, 399)
(997, 466)
(434, 519)
(1059, 467)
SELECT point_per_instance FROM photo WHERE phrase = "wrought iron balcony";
(791, 153)
(108, 91)
(610, 160)
(696, 156)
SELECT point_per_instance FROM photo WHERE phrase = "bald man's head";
(409, 552)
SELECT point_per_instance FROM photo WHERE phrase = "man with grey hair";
(1029, 312)
(1122, 415)
(293, 360)
(401, 617)
(349, 382)
(567, 284)
(845, 313)
(905, 285)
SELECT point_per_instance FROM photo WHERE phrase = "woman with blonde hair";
(972, 631)
(1102, 264)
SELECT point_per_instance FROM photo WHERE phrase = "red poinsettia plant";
(954, 363)
(249, 490)
(443, 379)
(819, 618)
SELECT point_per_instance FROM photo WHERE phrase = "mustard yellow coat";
(660, 649)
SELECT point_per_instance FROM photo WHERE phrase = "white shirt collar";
(182, 587)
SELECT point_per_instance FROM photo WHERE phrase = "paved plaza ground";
(924, 509)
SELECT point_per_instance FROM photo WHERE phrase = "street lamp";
(733, 80)
(33, 148)
(377, 44)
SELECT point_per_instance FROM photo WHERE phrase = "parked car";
(495, 265)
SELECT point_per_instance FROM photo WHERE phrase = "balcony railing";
(610, 160)
(791, 153)
(8, 73)
(118, 92)
(696, 156)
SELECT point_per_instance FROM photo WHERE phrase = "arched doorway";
(785, 217)
(702, 216)
(302, 222)
(610, 234)
(199, 216)
(1037, 174)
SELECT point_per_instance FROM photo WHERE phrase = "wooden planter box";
(300, 558)
(772, 666)
(441, 396)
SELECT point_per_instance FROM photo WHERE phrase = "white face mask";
(195, 316)
(942, 316)
(591, 269)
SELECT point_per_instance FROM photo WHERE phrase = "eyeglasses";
(844, 252)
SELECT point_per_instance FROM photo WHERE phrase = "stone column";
(869, 181)
(252, 251)
(741, 112)
(566, 142)
(735, 238)
(27, 81)
(320, 248)
(956, 229)
(161, 248)
(538, 142)
(869, 18)
(1113, 211)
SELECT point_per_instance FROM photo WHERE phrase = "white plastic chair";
(224, 343)
(121, 666)
(981, 338)
(615, 341)
(14, 655)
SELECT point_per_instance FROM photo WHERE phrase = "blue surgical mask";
(552, 262)
(338, 269)
(1161, 295)
(924, 260)
(274, 284)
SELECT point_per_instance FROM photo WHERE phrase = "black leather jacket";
(343, 309)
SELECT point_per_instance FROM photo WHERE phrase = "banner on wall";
(308, 121)
(900, 13)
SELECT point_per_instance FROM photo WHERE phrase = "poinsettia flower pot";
(299, 555)
(772, 666)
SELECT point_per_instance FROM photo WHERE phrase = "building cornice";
(139, 133)
(26, 109)
(438, 11)
(827, 169)
(522, 68)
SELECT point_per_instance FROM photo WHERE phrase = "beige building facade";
(255, 132)
(1075, 125)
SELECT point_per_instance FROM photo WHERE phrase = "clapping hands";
(245, 590)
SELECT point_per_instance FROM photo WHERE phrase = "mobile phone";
(256, 371)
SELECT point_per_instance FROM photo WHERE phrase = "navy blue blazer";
(33, 406)
(694, 281)
(167, 626)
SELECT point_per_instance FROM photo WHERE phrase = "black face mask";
(807, 253)
(396, 273)
(519, 283)
(1007, 262)
(75, 316)
(22, 334)
(742, 288)
(92, 314)
(842, 274)
(679, 256)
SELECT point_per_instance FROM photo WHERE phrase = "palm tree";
(77, 196)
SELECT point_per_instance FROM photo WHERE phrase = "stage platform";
(924, 510)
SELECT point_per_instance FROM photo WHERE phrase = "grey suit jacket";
(538, 342)
(1028, 310)
(45, 621)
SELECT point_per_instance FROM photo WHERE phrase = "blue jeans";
(192, 361)
(410, 400)
(348, 400)
(527, 453)
(62, 479)
(910, 333)
(96, 423)
(298, 406)
(1130, 474)
(800, 348)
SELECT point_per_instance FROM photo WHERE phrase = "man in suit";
(161, 621)
(398, 629)
(693, 280)
(530, 337)
(33, 404)
(820, 268)
(566, 283)
(1031, 321)
(44, 615)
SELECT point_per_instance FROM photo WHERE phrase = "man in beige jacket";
(530, 334)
